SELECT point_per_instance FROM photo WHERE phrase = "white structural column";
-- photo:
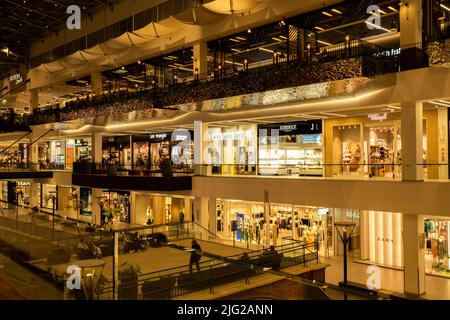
(96, 145)
(34, 99)
(96, 83)
(443, 142)
(411, 23)
(201, 211)
(201, 59)
(414, 254)
(34, 196)
(412, 141)
(200, 143)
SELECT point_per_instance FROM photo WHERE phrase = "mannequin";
(149, 216)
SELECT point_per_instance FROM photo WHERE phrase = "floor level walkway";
(437, 288)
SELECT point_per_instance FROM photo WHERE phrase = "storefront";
(52, 154)
(371, 145)
(77, 149)
(115, 205)
(232, 150)
(48, 196)
(150, 150)
(291, 148)
(437, 250)
(246, 222)
(155, 209)
(117, 150)
(23, 192)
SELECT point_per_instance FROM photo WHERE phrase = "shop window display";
(292, 148)
(116, 206)
(232, 150)
(437, 242)
(246, 222)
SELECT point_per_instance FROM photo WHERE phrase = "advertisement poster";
(240, 226)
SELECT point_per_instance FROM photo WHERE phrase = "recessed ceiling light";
(327, 14)
(337, 11)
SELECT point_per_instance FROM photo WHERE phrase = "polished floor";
(437, 288)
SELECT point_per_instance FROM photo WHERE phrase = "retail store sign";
(161, 136)
(377, 116)
(23, 183)
(16, 79)
(352, 214)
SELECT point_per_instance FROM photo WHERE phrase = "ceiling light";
(249, 30)
(445, 7)
(392, 8)
(327, 14)
(382, 11)
(139, 61)
(319, 28)
(241, 38)
(275, 38)
(236, 50)
(323, 42)
(266, 50)
(378, 27)
(123, 68)
(234, 40)
(337, 11)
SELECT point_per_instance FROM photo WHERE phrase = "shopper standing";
(196, 255)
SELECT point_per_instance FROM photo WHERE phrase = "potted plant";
(166, 168)
(128, 281)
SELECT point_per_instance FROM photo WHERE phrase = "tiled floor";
(437, 288)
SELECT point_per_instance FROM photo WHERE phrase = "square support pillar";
(200, 59)
(96, 145)
(96, 83)
(200, 143)
(414, 254)
(201, 211)
(412, 141)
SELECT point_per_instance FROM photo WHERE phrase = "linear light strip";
(378, 27)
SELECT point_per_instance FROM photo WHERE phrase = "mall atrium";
(224, 149)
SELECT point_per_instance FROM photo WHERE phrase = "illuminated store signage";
(377, 116)
(23, 183)
(17, 78)
(322, 211)
(158, 135)
(302, 127)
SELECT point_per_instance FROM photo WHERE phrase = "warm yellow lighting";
(337, 11)
(327, 14)
(392, 8)
(241, 38)
(382, 11)
(275, 38)
(319, 28)
(378, 27)
(234, 40)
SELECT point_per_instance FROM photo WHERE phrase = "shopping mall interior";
(224, 149)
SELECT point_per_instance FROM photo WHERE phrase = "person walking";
(196, 255)
(181, 220)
